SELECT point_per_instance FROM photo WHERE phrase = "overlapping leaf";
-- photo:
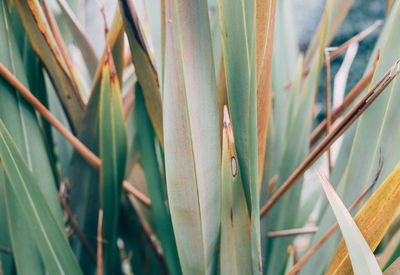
(191, 135)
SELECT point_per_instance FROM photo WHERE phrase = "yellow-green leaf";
(191, 135)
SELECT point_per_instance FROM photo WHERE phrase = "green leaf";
(238, 28)
(191, 135)
(161, 215)
(235, 250)
(362, 258)
(144, 66)
(50, 238)
(113, 145)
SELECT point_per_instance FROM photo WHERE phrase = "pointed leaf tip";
(361, 256)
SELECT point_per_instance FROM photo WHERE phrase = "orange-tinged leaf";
(265, 21)
(373, 220)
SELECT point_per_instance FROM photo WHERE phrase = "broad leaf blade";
(238, 27)
(191, 135)
(50, 238)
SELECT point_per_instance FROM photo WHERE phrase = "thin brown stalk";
(357, 38)
(328, 102)
(348, 100)
(340, 49)
(100, 270)
(28, 96)
(76, 227)
(291, 232)
(136, 193)
(341, 127)
(296, 268)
